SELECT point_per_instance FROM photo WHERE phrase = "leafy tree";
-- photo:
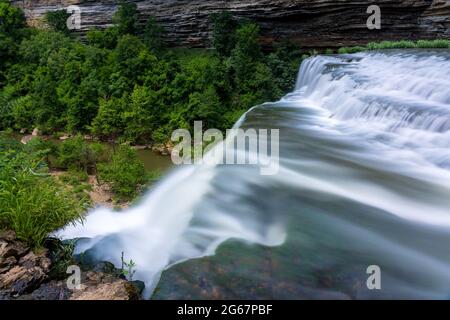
(57, 20)
(76, 154)
(12, 24)
(106, 39)
(12, 19)
(224, 33)
(153, 35)
(126, 173)
(142, 116)
(126, 18)
(109, 122)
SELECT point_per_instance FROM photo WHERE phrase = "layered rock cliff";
(311, 24)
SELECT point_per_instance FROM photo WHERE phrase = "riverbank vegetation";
(32, 202)
(403, 44)
(124, 84)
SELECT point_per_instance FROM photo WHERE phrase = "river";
(364, 180)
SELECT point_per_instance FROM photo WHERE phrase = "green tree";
(109, 122)
(224, 33)
(12, 19)
(126, 173)
(57, 20)
(153, 35)
(12, 24)
(126, 18)
(142, 116)
(106, 39)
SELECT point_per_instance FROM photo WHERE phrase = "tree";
(125, 173)
(106, 39)
(153, 35)
(126, 18)
(12, 19)
(142, 116)
(109, 122)
(12, 23)
(224, 31)
(57, 20)
(246, 55)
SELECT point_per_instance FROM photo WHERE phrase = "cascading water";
(364, 180)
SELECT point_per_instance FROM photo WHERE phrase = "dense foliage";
(125, 173)
(32, 203)
(122, 83)
(403, 44)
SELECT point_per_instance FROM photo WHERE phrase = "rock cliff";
(311, 24)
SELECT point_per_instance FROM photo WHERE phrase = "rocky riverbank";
(27, 274)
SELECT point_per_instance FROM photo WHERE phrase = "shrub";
(153, 35)
(32, 203)
(57, 20)
(224, 28)
(125, 173)
(126, 18)
(76, 154)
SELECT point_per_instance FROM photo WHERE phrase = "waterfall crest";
(364, 179)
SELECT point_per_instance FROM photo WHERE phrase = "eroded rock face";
(311, 24)
(21, 270)
(25, 275)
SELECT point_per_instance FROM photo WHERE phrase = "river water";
(364, 180)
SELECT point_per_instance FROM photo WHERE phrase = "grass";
(33, 209)
(403, 44)
(32, 203)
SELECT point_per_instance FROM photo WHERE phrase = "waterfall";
(364, 179)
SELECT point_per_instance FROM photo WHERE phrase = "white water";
(370, 129)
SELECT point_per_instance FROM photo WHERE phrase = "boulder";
(102, 286)
(21, 270)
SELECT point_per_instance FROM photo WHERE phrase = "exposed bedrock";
(311, 24)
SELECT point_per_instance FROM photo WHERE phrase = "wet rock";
(102, 286)
(139, 147)
(160, 148)
(21, 270)
(139, 286)
(53, 290)
(64, 137)
(26, 139)
(26, 274)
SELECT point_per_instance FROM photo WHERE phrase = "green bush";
(224, 29)
(125, 173)
(57, 20)
(32, 203)
(402, 44)
(126, 18)
(76, 154)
